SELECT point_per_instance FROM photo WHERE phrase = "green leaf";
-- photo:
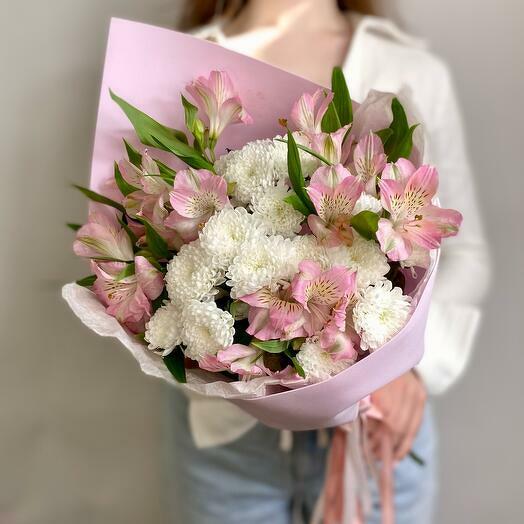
(294, 201)
(87, 281)
(125, 187)
(186, 153)
(331, 121)
(404, 146)
(296, 176)
(126, 272)
(341, 99)
(296, 363)
(398, 142)
(384, 134)
(308, 150)
(74, 227)
(156, 244)
(152, 133)
(190, 113)
(271, 346)
(167, 173)
(365, 224)
(134, 156)
(175, 363)
(101, 199)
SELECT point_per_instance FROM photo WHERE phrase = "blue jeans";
(252, 481)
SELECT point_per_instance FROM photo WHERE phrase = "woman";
(242, 472)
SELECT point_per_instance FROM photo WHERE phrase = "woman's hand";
(402, 404)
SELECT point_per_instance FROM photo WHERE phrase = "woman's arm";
(464, 272)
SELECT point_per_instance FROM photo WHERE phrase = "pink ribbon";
(345, 498)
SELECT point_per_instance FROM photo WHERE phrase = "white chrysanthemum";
(191, 274)
(306, 247)
(164, 329)
(308, 162)
(317, 363)
(367, 202)
(278, 217)
(261, 262)
(380, 313)
(364, 257)
(250, 169)
(225, 232)
(206, 329)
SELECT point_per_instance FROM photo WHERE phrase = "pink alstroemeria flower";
(102, 238)
(211, 363)
(196, 195)
(334, 192)
(274, 314)
(308, 111)
(128, 299)
(329, 145)
(406, 194)
(369, 160)
(149, 200)
(152, 190)
(325, 296)
(243, 360)
(217, 98)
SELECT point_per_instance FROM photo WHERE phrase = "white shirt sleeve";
(464, 272)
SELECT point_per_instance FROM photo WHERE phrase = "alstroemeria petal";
(149, 278)
(393, 243)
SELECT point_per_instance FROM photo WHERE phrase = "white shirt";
(384, 58)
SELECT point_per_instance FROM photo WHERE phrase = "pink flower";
(128, 299)
(217, 98)
(274, 314)
(195, 197)
(413, 220)
(324, 296)
(334, 192)
(308, 111)
(243, 360)
(368, 161)
(211, 363)
(150, 198)
(103, 238)
(329, 145)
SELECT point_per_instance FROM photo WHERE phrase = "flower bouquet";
(276, 248)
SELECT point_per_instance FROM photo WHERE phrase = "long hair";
(200, 12)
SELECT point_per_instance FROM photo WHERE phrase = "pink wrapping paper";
(149, 67)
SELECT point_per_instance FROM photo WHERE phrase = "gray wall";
(80, 437)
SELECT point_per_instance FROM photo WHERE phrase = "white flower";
(261, 262)
(306, 247)
(191, 274)
(308, 162)
(364, 257)
(367, 202)
(225, 232)
(164, 329)
(380, 313)
(206, 329)
(250, 169)
(277, 216)
(317, 363)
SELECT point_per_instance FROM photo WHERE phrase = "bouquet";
(276, 249)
